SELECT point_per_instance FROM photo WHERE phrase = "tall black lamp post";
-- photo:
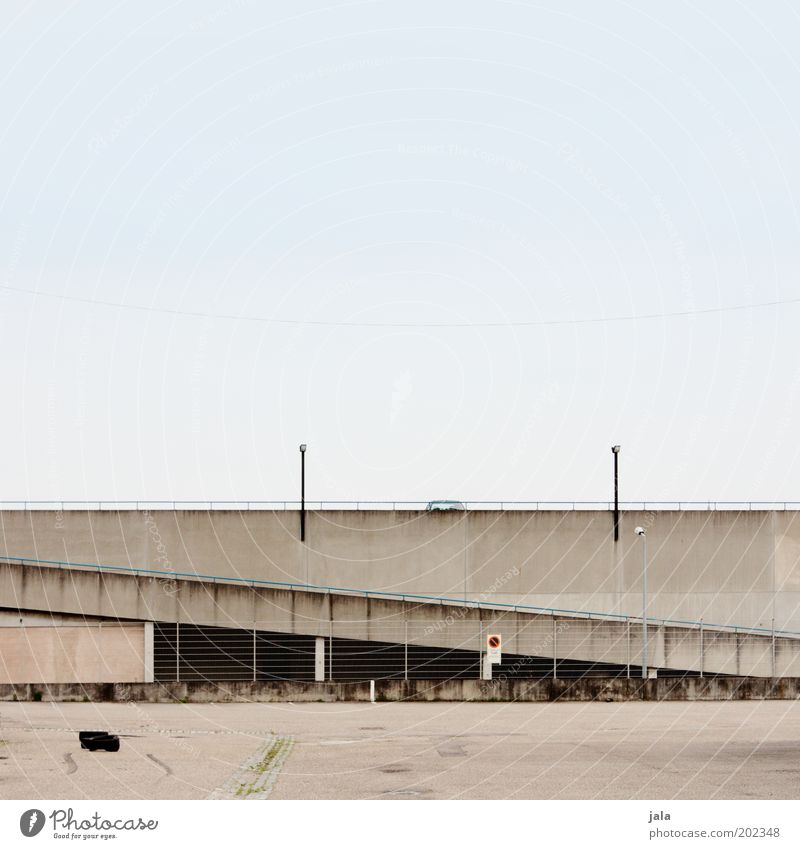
(615, 451)
(303, 492)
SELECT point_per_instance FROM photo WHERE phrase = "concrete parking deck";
(725, 750)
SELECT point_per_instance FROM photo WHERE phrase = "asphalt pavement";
(444, 750)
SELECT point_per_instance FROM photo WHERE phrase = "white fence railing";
(433, 649)
(395, 505)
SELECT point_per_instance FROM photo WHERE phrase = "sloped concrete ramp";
(362, 615)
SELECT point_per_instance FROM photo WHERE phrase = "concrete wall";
(134, 597)
(727, 567)
(544, 690)
(74, 653)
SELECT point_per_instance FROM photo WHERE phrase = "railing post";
(177, 651)
(773, 647)
(555, 647)
(255, 657)
(702, 649)
(480, 649)
(738, 650)
(405, 652)
(330, 646)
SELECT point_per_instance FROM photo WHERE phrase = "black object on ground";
(99, 741)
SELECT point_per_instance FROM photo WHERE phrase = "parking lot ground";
(442, 750)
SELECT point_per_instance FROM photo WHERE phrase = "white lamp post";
(641, 533)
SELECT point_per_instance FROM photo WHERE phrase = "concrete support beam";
(149, 652)
(319, 659)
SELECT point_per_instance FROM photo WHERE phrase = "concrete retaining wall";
(543, 690)
(727, 567)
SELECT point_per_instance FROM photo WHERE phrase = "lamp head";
(303, 448)
(615, 449)
(640, 532)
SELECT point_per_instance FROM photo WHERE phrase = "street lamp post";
(615, 451)
(465, 553)
(303, 492)
(641, 532)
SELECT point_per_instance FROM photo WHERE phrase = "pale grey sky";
(364, 172)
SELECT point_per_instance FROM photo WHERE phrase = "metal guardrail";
(652, 505)
(456, 602)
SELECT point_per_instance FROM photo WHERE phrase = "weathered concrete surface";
(147, 598)
(461, 690)
(73, 653)
(727, 567)
(43, 759)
